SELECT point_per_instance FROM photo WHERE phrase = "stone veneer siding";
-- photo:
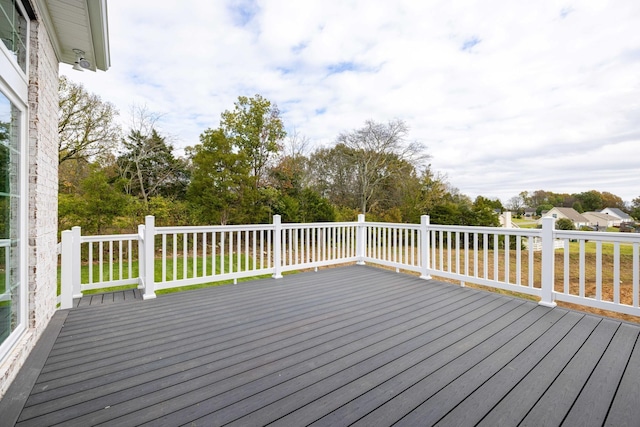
(42, 204)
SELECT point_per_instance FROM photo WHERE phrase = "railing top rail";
(108, 238)
(602, 236)
(211, 228)
(288, 225)
(393, 225)
(528, 232)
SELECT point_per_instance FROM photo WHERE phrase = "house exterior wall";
(601, 220)
(42, 185)
(557, 213)
(616, 218)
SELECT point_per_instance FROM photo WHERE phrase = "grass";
(525, 223)
(85, 273)
(607, 248)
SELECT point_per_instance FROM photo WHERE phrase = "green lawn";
(95, 273)
(525, 223)
(607, 248)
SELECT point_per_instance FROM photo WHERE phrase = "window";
(13, 136)
(14, 30)
(10, 191)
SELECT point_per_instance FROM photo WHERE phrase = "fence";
(593, 269)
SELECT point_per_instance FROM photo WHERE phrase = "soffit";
(78, 24)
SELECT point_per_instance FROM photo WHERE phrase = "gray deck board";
(345, 346)
(456, 390)
(625, 409)
(303, 383)
(538, 362)
(346, 387)
(237, 354)
(432, 380)
(552, 408)
(107, 298)
(592, 405)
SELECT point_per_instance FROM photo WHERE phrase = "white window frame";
(14, 86)
(12, 60)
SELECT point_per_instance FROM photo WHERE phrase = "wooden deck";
(345, 346)
(108, 298)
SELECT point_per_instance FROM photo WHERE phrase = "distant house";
(569, 213)
(618, 216)
(598, 219)
(529, 213)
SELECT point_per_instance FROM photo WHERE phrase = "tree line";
(245, 170)
(587, 201)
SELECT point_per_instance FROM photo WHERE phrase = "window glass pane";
(9, 218)
(13, 31)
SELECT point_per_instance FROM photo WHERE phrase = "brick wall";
(42, 217)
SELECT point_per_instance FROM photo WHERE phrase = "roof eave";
(96, 40)
(100, 33)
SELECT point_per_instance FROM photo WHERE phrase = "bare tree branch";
(379, 151)
(86, 125)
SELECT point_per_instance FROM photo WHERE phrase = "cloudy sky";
(506, 95)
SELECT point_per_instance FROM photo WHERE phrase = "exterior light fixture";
(80, 63)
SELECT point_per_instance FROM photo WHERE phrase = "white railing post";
(425, 247)
(140, 256)
(149, 252)
(277, 247)
(361, 240)
(76, 262)
(66, 261)
(506, 217)
(548, 258)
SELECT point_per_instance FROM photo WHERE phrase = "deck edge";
(13, 401)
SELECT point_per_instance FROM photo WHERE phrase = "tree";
(458, 209)
(433, 188)
(150, 168)
(314, 208)
(635, 208)
(526, 200)
(289, 194)
(610, 200)
(537, 198)
(333, 175)
(291, 173)
(97, 204)
(492, 204)
(590, 200)
(71, 173)
(86, 125)
(516, 204)
(542, 208)
(219, 180)
(565, 224)
(377, 152)
(256, 129)
(578, 207)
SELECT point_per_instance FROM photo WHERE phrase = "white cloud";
(507, 96)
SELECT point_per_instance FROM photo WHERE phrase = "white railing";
(495, 257)
(316, 244)
(394, 245)
(599, 270)
(607, 277)
(110, 261)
